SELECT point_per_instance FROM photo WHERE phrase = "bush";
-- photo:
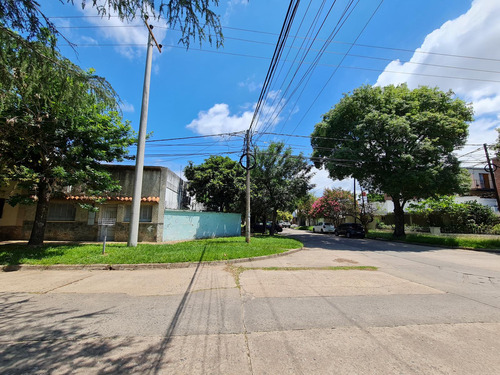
(495, 229)
(468, 217)
(381, 225)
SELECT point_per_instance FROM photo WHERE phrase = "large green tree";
(218, 183)
(396, 141)
(279, 179)
(55, 129)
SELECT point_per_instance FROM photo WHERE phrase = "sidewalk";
(245, 318)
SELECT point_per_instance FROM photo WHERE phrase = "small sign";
(107, 221)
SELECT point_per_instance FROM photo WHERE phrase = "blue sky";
(204, 91)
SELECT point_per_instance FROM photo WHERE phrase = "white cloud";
(125, 33)
(127, 107)
(219, 119)
(475, 33)
(232, 6)
(322, 181)
(250, 84)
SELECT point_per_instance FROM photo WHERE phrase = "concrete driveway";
(424, 311)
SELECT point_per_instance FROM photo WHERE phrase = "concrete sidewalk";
(248, 319)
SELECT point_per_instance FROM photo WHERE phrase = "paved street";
(424, 311)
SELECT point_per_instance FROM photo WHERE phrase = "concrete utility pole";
(492, 174)
(247, 227)
(139, 160)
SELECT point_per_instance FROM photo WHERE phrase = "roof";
(121, 199)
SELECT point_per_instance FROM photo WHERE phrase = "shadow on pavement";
(46, 340)
(332, 242)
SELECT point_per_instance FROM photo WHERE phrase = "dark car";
(350, 230)
(259, 227)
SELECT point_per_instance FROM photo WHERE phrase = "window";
(61, 212)
(484, 181)
(145, 216)
(2, 203)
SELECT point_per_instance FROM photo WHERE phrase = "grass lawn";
(471, 241)
(305, 227)
(191, 251)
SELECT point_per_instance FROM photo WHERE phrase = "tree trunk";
(42, 210)
(273, 221)
(399, 219)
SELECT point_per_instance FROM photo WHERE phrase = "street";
(424, 311)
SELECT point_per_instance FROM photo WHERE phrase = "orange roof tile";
(122, 199)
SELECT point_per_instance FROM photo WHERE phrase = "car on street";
(285, 224)
(259, 227)
(350, 230)
(323, 227)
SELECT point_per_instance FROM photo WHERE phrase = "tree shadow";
(340, 243)
(12, 255)
(39, 340)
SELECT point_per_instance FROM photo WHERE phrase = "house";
(165, 212)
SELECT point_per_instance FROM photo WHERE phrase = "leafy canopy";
(334, 204)
(395, 140)
(219, 183)
(56, 128)
(279, 179)
(195, 18)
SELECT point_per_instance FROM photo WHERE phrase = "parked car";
(259, 227)
(324, 227)
(285, 224)
(350, 230)
(277, 226)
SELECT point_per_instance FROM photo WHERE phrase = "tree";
(334, 205)
(219, 183)
(285, 216)
(396, 141)
(194, 17)
(56, 129)
(280, 179)
(304, 206)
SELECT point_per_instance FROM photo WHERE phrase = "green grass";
(453, 241)
(191, 251)
(305, 227)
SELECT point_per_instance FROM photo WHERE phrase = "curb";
(436, 245)
(139, 266)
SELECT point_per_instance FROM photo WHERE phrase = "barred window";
(61, 212)
(145, 215)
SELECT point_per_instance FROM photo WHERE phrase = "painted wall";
(188, 225)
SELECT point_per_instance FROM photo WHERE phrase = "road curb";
(140, 266)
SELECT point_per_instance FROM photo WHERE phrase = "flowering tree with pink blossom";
(334, 205)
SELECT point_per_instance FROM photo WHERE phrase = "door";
(108, 212)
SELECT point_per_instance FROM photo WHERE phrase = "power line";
(418, 51)
(196, 136)
(285, 30)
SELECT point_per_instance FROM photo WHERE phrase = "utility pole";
(492, 174)
(139, 160)
(247, 150)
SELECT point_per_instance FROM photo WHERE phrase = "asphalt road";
(424, 311)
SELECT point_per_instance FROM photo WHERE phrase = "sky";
(332, 48)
